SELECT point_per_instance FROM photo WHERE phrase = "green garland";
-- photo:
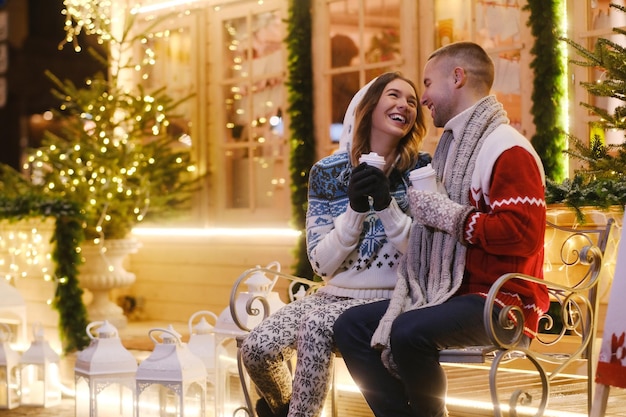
(548, 85)
(67, 236)
(302, 143)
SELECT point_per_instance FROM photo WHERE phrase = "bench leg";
(334, 392)
(249, 407)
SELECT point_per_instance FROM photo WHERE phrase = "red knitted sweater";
(506, 234)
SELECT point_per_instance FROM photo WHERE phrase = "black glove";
(380, 190)
(366, 181)
(358, 198)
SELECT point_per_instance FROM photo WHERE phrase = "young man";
(487, 219)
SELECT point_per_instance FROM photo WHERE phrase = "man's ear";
(459, 77)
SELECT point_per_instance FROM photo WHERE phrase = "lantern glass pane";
(4, 400)
(9, 387)
(228, 393)
(116, 400)
(33, 385)
(169, 402)
(53, 385)
(82, 396)
(159, 401)
(41, 386)
(194, 401)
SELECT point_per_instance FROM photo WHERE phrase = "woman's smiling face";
(396, 110)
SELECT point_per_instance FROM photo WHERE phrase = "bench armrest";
(258, 305)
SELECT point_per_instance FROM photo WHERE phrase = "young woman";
(357, 229)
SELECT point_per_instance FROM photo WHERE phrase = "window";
(497, 25)
(172, 43)
(358, 40)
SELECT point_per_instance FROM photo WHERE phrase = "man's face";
(438, 94)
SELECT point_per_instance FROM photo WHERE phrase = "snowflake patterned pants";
(303, 327)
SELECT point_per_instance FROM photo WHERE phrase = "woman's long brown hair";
(409, 145)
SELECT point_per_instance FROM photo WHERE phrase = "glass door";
(251, 155)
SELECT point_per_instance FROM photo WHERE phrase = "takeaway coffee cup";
(424, 178)
(373, 159)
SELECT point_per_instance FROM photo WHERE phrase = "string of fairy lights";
(25, 250)
(89, 17)
(257, 119)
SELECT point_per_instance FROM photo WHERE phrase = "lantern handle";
(91, 326)
(162, 330)
(98, 323)
(200, 313)
(38, 330)
(273, 265)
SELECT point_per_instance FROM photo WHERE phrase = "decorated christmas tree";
(115, 152)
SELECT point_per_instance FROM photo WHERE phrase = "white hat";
(345, 140)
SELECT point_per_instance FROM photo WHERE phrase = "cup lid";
(423, 172)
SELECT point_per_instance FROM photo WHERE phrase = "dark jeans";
(416, 338)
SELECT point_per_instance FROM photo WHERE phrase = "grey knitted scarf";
(432, 269)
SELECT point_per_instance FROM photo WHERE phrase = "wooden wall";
(177, 276)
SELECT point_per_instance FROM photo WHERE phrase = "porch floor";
(468, 395)
(468, 389)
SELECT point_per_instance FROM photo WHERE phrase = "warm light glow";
(162, 5)
(486, 406)
(146, 231)
(565, 100)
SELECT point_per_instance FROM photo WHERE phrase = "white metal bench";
(573, 285)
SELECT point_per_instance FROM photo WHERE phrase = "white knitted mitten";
(436, 210)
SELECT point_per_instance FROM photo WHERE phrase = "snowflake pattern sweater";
(356, 254)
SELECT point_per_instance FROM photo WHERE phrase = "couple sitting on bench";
(407, 271)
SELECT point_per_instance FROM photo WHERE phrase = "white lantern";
(104, 375)
(13, 313)
(9, 371)
(202, 344)
(246, 311)
(202, 339)
(171, 382)
(40, 382)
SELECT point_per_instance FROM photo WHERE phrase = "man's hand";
(436, 210)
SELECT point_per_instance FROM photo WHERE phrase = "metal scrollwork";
(573, 314)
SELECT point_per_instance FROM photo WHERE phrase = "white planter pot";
(102, 271)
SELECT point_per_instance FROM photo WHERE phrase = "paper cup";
(373, 159)
(424, 178)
